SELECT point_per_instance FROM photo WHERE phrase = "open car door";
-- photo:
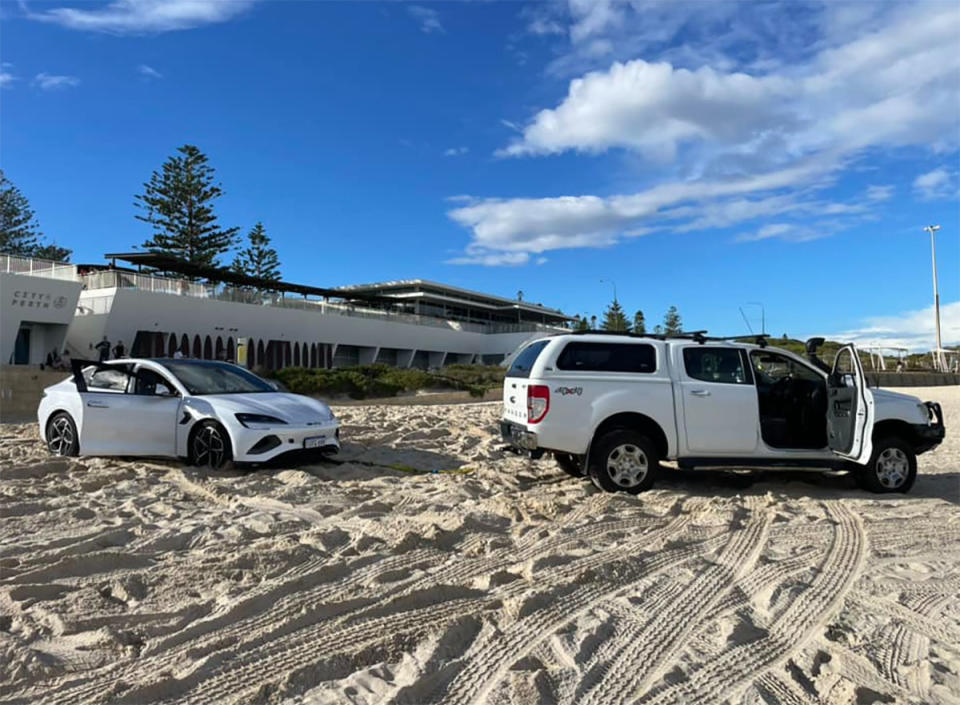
(850, 408)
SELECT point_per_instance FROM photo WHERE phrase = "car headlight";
(259, 420)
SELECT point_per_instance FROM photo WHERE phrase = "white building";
(407, 324)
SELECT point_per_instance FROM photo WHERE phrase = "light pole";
(763, 316)
(938, 354)
(610, 281)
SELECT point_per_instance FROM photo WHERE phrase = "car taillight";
(538, 402)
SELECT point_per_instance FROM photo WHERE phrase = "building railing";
(28, 266)
(113, 279)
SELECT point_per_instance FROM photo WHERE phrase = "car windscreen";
(523, 362)
(215, 378)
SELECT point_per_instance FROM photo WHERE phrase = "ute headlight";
(259, 420)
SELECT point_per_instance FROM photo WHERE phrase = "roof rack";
(698, 336)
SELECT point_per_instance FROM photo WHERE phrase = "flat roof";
(502, 302)
(167, 263)
(356, 292)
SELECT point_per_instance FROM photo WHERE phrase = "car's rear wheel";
(570, 464)
(210, 446)
(892, 467)
(62, 436)
(624, 461)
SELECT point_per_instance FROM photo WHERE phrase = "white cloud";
(934, 184)
(492, 259)
(540, 224)
(428, 18)
(148, 72)
(912, 329)
(544, 26)
(456, 151)
(144, 16)
(50, 82)
(739, 146)
(893, 87)
(791, 232)
(878, 193)
(6, 75)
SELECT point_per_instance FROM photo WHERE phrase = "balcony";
(119, 279)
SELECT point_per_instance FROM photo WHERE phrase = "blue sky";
(701, 155)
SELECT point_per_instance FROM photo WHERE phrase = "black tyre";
(624, 461)
(892, 467)
(210, 446)
(570, 464)
(62, 438)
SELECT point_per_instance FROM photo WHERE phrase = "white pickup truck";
(613, 406)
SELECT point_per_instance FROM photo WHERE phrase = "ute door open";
(850, 410)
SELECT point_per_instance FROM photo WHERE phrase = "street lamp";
(938, 354)
(610, 281)
(763, 316)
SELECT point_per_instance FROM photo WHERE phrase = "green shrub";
(365, 381)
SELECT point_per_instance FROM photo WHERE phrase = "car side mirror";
(162, 390)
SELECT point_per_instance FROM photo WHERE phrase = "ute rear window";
(608, 357)
(523, 363)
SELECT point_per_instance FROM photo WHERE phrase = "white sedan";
(205, 412)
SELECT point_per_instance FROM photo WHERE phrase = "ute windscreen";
(523, 362)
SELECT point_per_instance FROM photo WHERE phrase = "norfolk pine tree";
(259, 259)
(672, 324)
(19, 231)
(614, 318)
(639, 324)
(178, 203)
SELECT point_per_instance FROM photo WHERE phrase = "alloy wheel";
(208, 447)
(60, 439)
(627, 465)
(893, 467)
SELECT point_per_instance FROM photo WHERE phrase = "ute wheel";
(624, 460)
(210, 446)
(62, 435)
(892, 467)
(570, 464)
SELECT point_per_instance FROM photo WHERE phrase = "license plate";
(314, 442)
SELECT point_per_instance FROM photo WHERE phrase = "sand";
(492, 580)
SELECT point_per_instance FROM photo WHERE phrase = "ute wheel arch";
(633, 421)
(889, 428)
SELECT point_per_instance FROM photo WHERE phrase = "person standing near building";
(118, 350)
(103, 348)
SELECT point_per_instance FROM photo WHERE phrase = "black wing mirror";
(813, 344)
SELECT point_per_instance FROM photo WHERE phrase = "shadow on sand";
(945, 486)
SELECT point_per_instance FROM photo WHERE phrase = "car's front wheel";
(892, 467)
(62, 436)
(210, 446)
(624, 460)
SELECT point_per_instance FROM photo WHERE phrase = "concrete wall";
(120, 313)
(48, 304)
(911, 379)
(20, 390)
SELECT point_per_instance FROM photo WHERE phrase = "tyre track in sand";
(641, 656)
(904, 657)
(251, 634)
(738, 667)
(486, 663)
(240, 677)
